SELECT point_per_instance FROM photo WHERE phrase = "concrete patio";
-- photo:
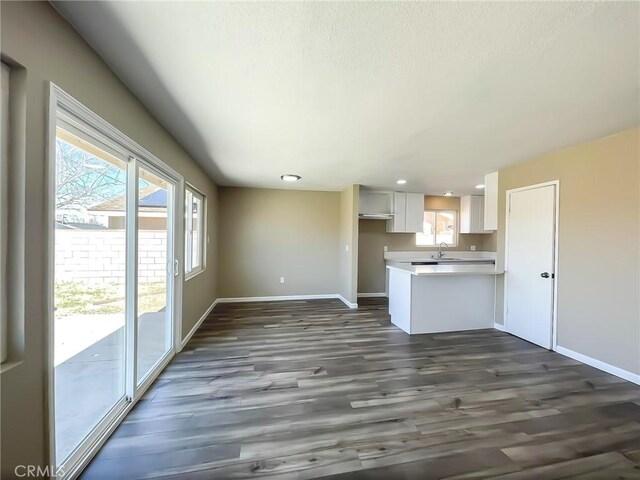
(90, 370)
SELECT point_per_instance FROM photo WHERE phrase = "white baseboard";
(618, 372)
(280, 298)
(497, 326)
(372, 295)
(276, 298)
(197, 325)
(347, 303)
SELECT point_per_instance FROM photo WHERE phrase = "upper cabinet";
(491, 201)
(472, 214)
(375, 205)
(415, 212)
(408, 213)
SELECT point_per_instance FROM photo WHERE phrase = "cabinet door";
(477, 223)
(465, 214)
(481, 223)
(414, 213)
(472, 214)
(398, 223)
(491, 201)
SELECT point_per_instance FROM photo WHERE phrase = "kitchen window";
(194, 244)
(438, 226)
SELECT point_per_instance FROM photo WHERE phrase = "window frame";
(4, 211)
(189, 272)
(456, 222)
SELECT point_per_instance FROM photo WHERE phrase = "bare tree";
(83, 180)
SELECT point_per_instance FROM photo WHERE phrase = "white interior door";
(530, 263)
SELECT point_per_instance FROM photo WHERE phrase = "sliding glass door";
(155, 218)
(113, 291)
(89, 288)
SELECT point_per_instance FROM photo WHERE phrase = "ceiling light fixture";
(480, 186)
(402, 181)
(448, 194)
(289, 177)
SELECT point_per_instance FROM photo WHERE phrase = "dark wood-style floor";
(307, 389)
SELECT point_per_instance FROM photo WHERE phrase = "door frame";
(556, 214)
(59, 100)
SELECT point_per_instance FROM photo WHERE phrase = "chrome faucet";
(440, 254)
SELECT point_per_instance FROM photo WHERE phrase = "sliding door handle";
(545, 275)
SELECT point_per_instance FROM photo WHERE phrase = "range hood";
(375, 216)
(375, 205)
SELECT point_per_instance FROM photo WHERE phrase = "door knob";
(544, 274)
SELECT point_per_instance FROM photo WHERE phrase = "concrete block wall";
(96, 257)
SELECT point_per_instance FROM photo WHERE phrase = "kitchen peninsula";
(428, 295)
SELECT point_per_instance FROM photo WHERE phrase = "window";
(193, 231)
(4, 163)
(438, 226)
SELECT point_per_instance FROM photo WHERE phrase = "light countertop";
(428, 256)
(463, 269)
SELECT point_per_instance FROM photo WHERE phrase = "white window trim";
(189, 189)
(4, 200)
(457, 230)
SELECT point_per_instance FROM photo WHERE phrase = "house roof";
(152, 199)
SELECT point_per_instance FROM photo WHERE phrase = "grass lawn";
(74, 298)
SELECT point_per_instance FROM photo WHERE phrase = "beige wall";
(349, 201)
(373, 237)
(266, 234)
(599, 244)
(36, 37)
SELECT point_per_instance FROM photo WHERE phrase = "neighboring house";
(152, 208)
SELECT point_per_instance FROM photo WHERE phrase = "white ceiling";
(341, 93)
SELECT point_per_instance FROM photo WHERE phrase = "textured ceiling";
(340, 92)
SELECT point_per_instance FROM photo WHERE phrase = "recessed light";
(448, 194)
(402, 181)
(289, 177)
(480, 186)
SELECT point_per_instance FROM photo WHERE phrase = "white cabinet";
(408, 213)
(398, 223)
(472, 214)
(414, 212)
(491, 201)
(375, 203)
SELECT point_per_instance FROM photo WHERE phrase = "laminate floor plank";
(309, 389)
